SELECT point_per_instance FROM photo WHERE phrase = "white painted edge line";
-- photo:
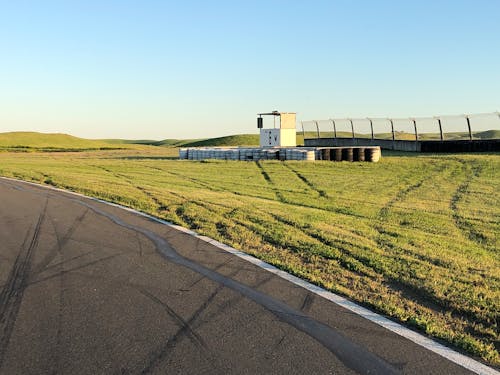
(417, 338)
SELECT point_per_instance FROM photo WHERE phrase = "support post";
(468, 126)
(303, 132)
(415, 127)
(440, 129)
(393, 135)
(334, 128)
(352, 128)
(371, 127)
(317, 128)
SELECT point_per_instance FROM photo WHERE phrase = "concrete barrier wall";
(486, 145)
(476, 145)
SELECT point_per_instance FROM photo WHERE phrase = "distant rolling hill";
(129, 141)
(33, 141)
(150, 142)
(230, 140)
(488, 134)
(175, 142)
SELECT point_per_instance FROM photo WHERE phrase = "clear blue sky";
(188, 69)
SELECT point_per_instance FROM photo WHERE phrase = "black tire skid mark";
(185, 330)
(56, 357)
(55, 354)
(185, 326)
(61, 243)
(70, 270)
(65, 261)
(228, 303)
(13, 290)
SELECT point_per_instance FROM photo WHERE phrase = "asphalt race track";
(88, 288)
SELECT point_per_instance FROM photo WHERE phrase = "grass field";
(413, 237)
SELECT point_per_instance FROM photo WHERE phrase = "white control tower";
(283, 136)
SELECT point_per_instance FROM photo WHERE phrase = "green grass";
(413, 237)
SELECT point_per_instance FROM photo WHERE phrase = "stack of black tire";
(370, 154)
